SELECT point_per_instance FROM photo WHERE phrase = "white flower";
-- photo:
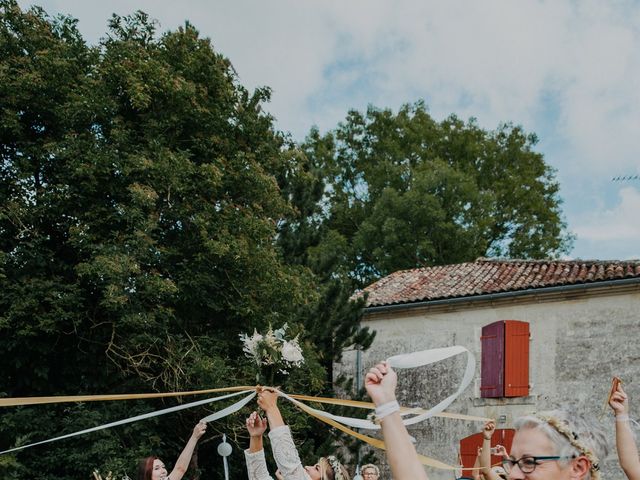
(271, 348)
(271, 340)
(250, 345)
(292, 353)
(279, 333)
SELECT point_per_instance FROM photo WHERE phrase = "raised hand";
(256, 425)
(500, 451)
(199, 430)
(619, 401)
(268, 400)
(381, 382)
(488, 429)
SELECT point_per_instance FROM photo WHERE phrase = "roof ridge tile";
(490, 275)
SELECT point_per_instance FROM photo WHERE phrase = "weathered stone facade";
(580, 338)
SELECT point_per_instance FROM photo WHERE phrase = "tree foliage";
(150, 212)
(403, 191)
(139, 207)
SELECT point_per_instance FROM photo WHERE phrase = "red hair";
(145, 468)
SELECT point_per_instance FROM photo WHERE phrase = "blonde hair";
(370, 465)
(572, 435)
(332, 469)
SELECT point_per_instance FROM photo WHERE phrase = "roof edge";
(502, 295)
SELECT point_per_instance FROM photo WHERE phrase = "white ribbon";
(230, 409)
(409, 360)
(426, 357)
(144, 416)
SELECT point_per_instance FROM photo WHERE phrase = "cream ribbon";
(233, 408)
(410, 360)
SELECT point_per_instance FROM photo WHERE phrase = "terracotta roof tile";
(485, 276)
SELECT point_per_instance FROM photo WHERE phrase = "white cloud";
(619, 223)
(565, 69)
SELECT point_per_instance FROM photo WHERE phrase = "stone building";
(543, 333)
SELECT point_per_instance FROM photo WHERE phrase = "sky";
(568, 71)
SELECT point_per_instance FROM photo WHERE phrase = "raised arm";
(182, 464)
(380, 383)
(254, 456)
(475, 473)
(485, 452)
(268, 401)
(625, 443)
(256, 426)
(284, 450)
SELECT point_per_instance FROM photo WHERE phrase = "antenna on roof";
(625, 178)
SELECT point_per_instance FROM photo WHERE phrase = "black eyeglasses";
(528, 464)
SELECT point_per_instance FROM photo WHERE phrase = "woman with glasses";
(625, 442)
(555, 446)
(370, 472)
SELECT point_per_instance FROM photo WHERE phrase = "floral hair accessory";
(562, 428)
(336, 466)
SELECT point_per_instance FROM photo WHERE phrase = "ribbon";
(410, 360)
(143, 417)
(413, 360)
(15, 401)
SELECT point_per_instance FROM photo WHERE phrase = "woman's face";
(370, 474)
(317, 471)
(159, 471)
(531, 442)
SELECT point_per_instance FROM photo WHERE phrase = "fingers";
(377, 373)
(255, 422)
(266, 393)
(490, 425)
(619, 397)
(251, 419)
(200, 429)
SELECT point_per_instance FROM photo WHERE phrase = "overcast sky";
(567, 70)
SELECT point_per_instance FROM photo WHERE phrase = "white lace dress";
(284, 453)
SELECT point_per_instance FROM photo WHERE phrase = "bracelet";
(387, 409)
(486, 438)
(622, 418)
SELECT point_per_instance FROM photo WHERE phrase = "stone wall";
(578, 342)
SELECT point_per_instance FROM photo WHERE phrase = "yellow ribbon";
(21, 401)
(401, 361)
(16, 401)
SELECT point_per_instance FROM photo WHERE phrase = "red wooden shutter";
(469, 451)
(492, 368)
(469, 448)
(516, 370)
(504, 437)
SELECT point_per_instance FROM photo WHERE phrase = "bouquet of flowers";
(272, 353)
(98, 476)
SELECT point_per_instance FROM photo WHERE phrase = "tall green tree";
(139, 211)
(305, 240)
(402, 190)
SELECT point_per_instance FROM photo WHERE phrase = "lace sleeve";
(256, 465)
(286, 454)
